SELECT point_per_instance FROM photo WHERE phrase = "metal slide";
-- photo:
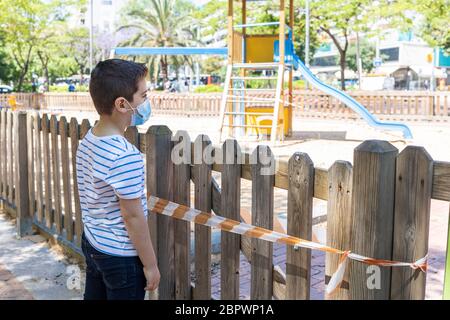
(350, 102)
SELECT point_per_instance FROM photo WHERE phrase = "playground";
(353, 183)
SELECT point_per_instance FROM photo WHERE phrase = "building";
(106, 13)
(406, 64)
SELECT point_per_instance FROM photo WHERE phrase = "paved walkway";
(30, 269)
(11, 288)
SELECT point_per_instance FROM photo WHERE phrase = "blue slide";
(341, 96)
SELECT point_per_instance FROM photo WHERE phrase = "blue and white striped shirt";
(108, 168)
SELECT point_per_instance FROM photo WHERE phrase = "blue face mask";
(141, 113)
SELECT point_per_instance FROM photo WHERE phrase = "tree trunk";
(342, 52)
(342, 64)
(24, 70)
(164, 69)
(47, 80)
(21, 80)
(358, 60)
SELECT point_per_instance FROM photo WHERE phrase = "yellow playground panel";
(259, 48)
(256, 119)
(258, 76)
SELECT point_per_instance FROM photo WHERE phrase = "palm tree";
(161, 23)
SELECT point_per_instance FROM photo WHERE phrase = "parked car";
(5, 89)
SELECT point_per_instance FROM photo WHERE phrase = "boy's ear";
(120, 105)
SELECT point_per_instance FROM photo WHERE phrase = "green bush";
(82, 88)
(298, 84)
(208, 88)
(78, 88)
(58, 89)
(259, 84)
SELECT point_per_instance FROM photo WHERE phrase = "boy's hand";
(152, 275)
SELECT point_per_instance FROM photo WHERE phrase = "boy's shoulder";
(115, 147)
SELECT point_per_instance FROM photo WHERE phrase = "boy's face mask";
(141, 113)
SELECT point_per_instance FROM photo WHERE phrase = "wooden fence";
(395, 105)
(378, 207)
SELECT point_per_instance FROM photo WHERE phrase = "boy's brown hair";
(114, 78)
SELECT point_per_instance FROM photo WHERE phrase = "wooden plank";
(47, 171)
(299, 224)
(151, 174)
(65, 162)
(446, 294)
(372, 217)
(446, 102)
(202, 184)
(38, 159)
(441, 178)
(84, 128)
(9, 154)
(230, 204)
(162, 169)
(182, 195)
(74, 132)
(262, 216)
(30, 159)
(441, 181)
(413, 185)
(338, 222)
(24, 220)
(279, 278)
(132, 135)
(281, 175)
(56, 174)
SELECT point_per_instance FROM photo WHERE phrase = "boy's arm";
(138, 231)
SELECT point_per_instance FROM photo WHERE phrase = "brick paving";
(435, 276)
(12, 289)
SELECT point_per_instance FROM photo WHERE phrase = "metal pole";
(91, 36)
(358, 60)
(197, 66)
(433, 78)
(307, 25)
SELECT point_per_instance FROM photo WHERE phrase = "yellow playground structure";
(268, 61)
(257, 94)
(252, 58)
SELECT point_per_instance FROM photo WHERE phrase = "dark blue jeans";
(112, 278)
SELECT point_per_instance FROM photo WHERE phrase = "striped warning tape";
(178, 211)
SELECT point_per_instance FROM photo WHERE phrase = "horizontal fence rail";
(384, 195)
(408, 105)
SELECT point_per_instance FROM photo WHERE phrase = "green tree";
(341, 19)
(161, 23)
(76, 41)
(213, 17)
(434, 28)
(367, 52)
(8, 70)
(29, 29)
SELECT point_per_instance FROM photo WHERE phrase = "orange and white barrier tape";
(178, 211)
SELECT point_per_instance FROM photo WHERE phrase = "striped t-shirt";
(108, 168)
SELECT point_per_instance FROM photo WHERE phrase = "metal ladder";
(234, 93)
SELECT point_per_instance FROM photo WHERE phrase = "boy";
(120, 260)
